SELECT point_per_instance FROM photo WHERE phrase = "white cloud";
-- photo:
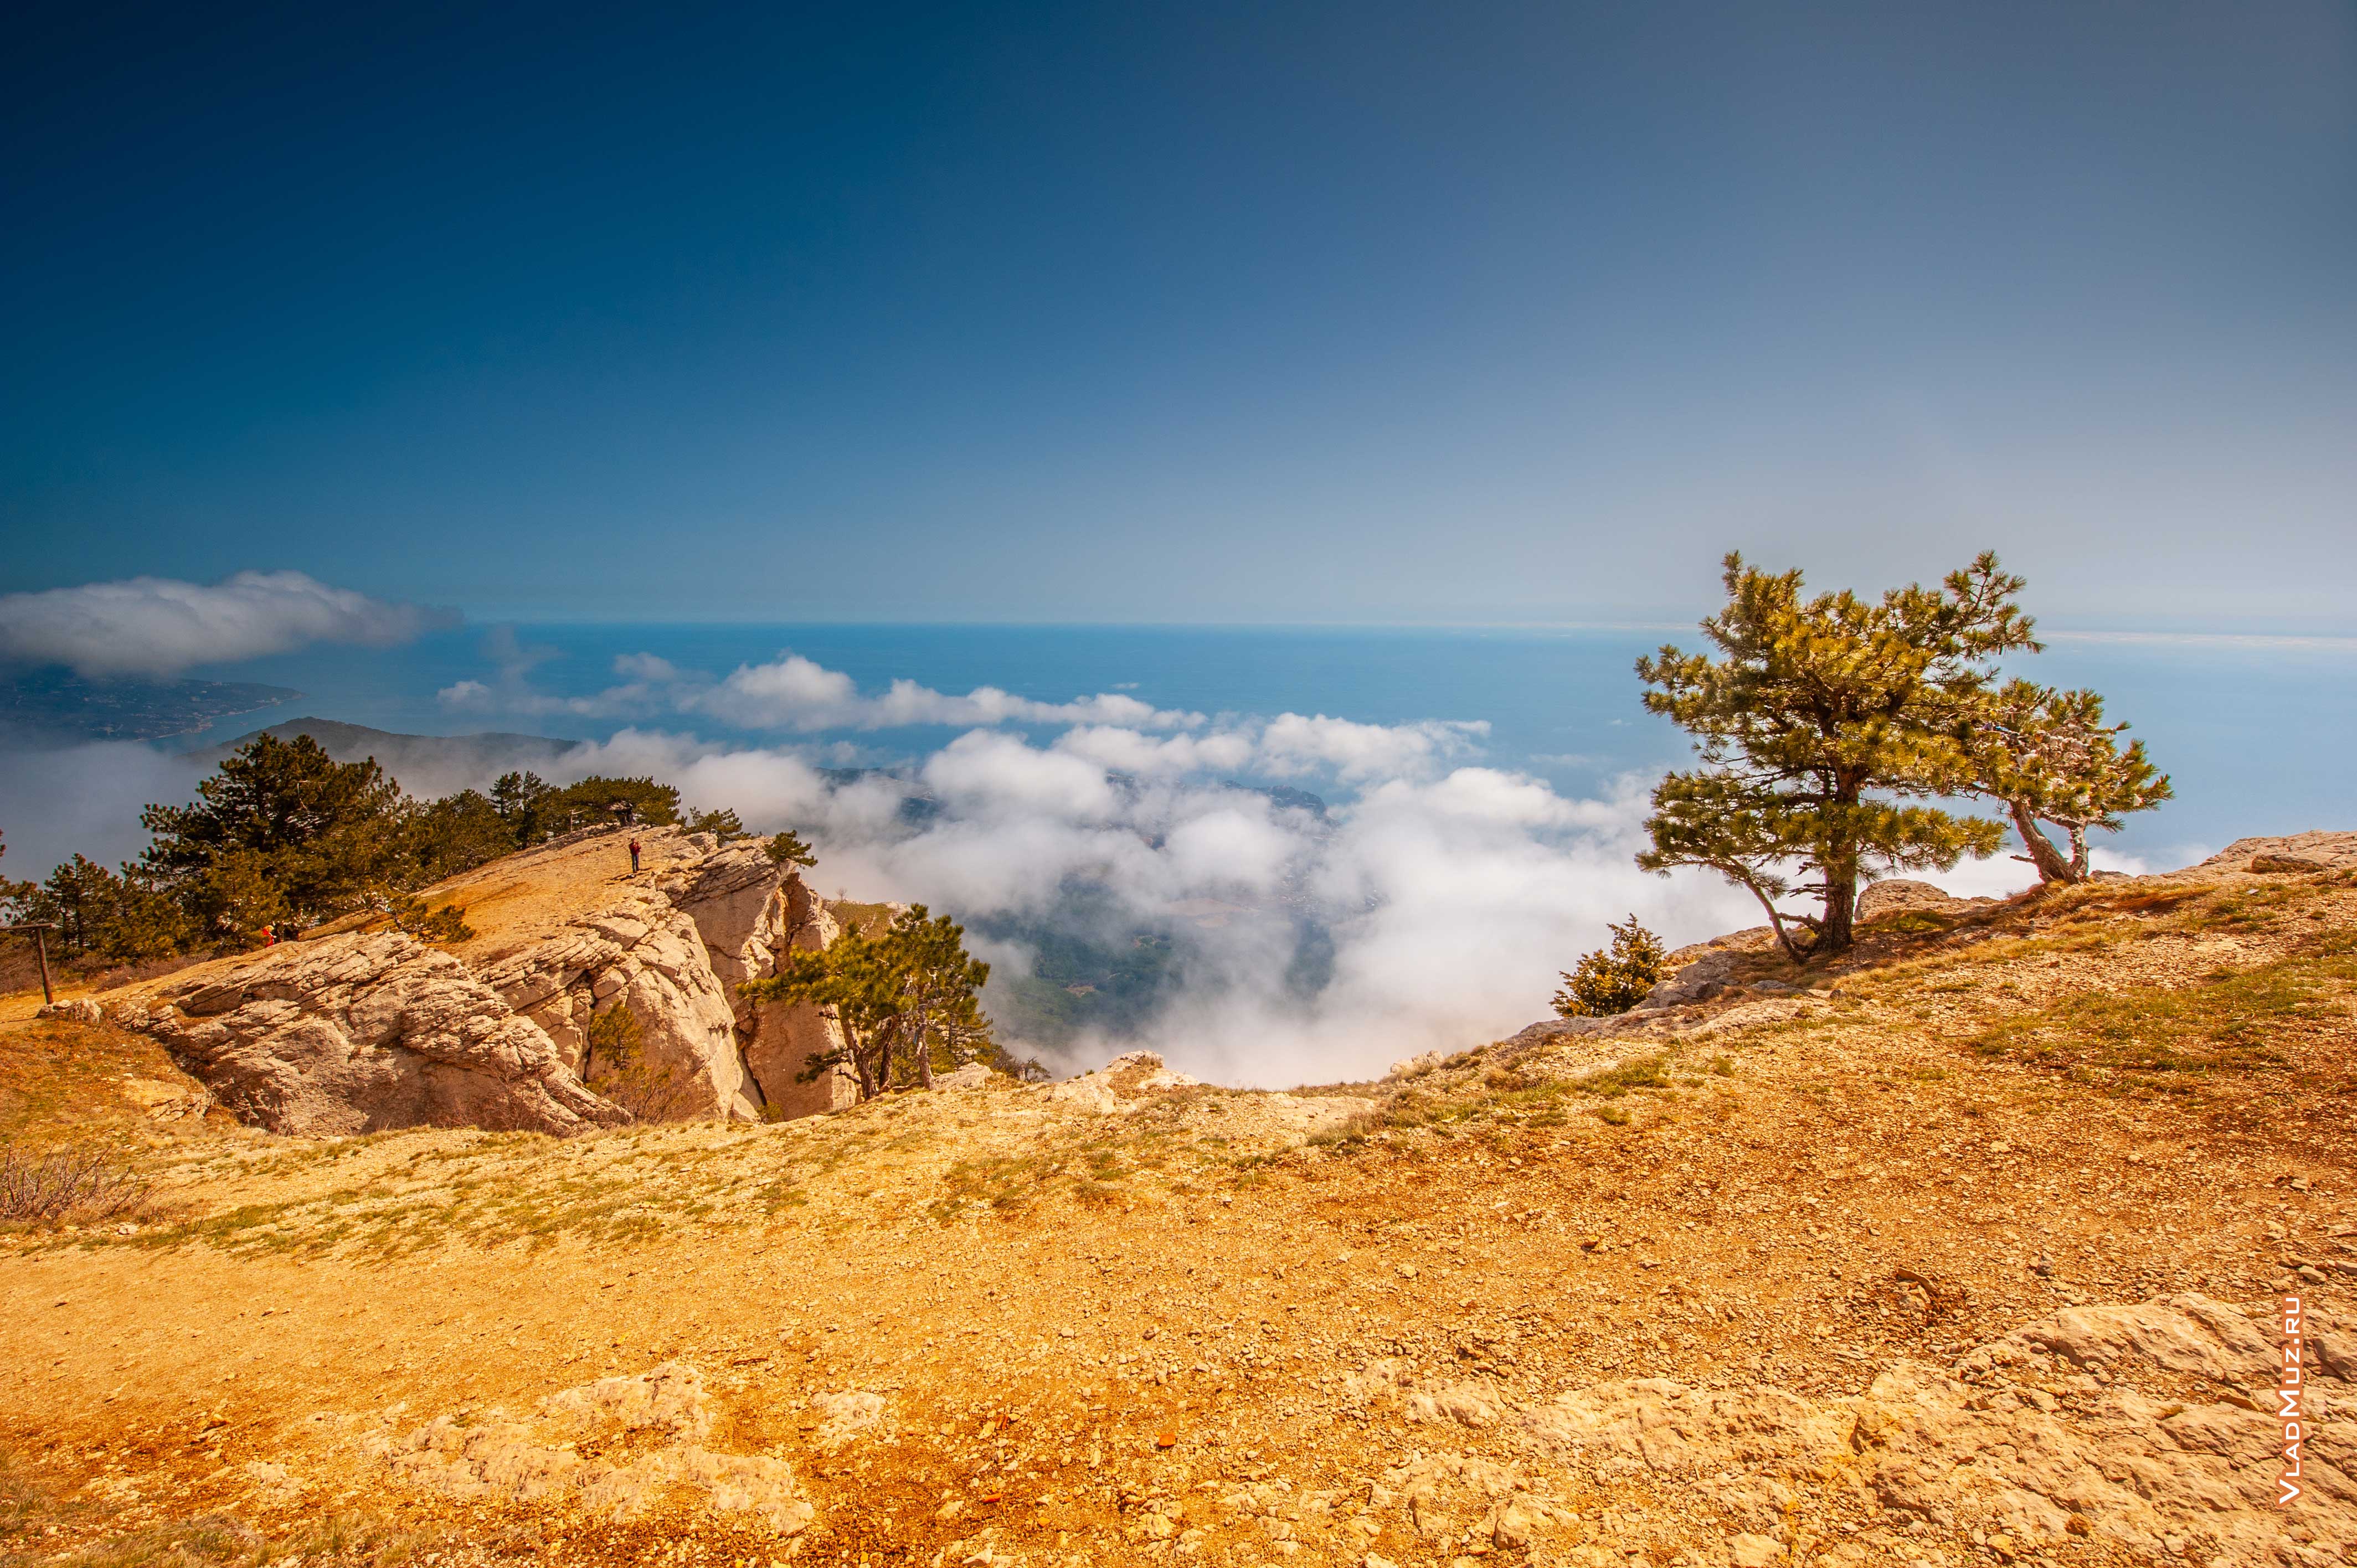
(156, 626)
(795, 692)
(645, 667)
(1127, 751)
(1450, 902)
(788, 693)
(1431, 905)
(981, 773)
(1450, 896)
(1292, 745)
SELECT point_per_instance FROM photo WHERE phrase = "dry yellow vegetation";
(1429, 1319)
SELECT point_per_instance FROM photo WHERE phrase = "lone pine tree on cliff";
(1820, 724)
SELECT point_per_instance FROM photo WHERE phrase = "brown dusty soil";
(1077, 1318)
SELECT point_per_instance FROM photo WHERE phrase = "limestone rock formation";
(1899, 893)
(779, 1038)
(673, 945)
(2311, 851)
(362, 1031)
(2136, 1425)
(1704, 975)
(1123, 1084)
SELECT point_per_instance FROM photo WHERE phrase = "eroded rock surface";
(363, 1032)
(640, 951)
(539, 1459)
(2290, 855)
(360, 1031)
(2136, 1425)
(1123, 1084)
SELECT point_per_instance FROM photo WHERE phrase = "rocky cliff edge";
(356, 1030)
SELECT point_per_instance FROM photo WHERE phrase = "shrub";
(64, 1182)
(1615, 979)
(615, 1065)
(447, 924)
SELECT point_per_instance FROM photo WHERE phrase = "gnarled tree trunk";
(2052, 867)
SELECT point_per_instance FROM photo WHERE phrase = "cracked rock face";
(363, 1032)
(2164, 1453)
(645, 953)
(749, 918)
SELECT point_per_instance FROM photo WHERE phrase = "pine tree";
(520, 801)
(2048, 756)
(905, 999)
(789, 848)
(322, 832)
(722, 824)
(1816, 723)
(1612, 980)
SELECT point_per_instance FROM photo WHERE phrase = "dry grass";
(1800, 1202)
(2260, 1019)
(55, 1184)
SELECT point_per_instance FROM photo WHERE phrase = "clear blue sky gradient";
(1353, 312)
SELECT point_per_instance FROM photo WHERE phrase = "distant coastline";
(58, 703)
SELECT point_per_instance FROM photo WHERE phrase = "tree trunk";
(2078, 852)
(863, 1058)
(2051, 866)
(924, 1049)
(1836, 930)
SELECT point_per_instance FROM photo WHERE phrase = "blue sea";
(2259, 735)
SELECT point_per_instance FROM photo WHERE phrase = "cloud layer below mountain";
(1429, 906)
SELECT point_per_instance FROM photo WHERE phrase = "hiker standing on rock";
(634, 857)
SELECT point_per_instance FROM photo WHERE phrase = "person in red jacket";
(634, 857)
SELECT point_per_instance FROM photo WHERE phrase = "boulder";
(80, 1009)
(1702, 977)
(1888, 898)
(2297, 853)
(360, 1033)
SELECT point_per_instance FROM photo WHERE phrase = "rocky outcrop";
(1897, 893)
(642, 952)
(751, 916)
(2290, 855)
(1128, 1082)
(360, 1031)
(363, 1032)
(673, 946)
(2133, 1425)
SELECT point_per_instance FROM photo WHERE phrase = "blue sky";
(1204, 313)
